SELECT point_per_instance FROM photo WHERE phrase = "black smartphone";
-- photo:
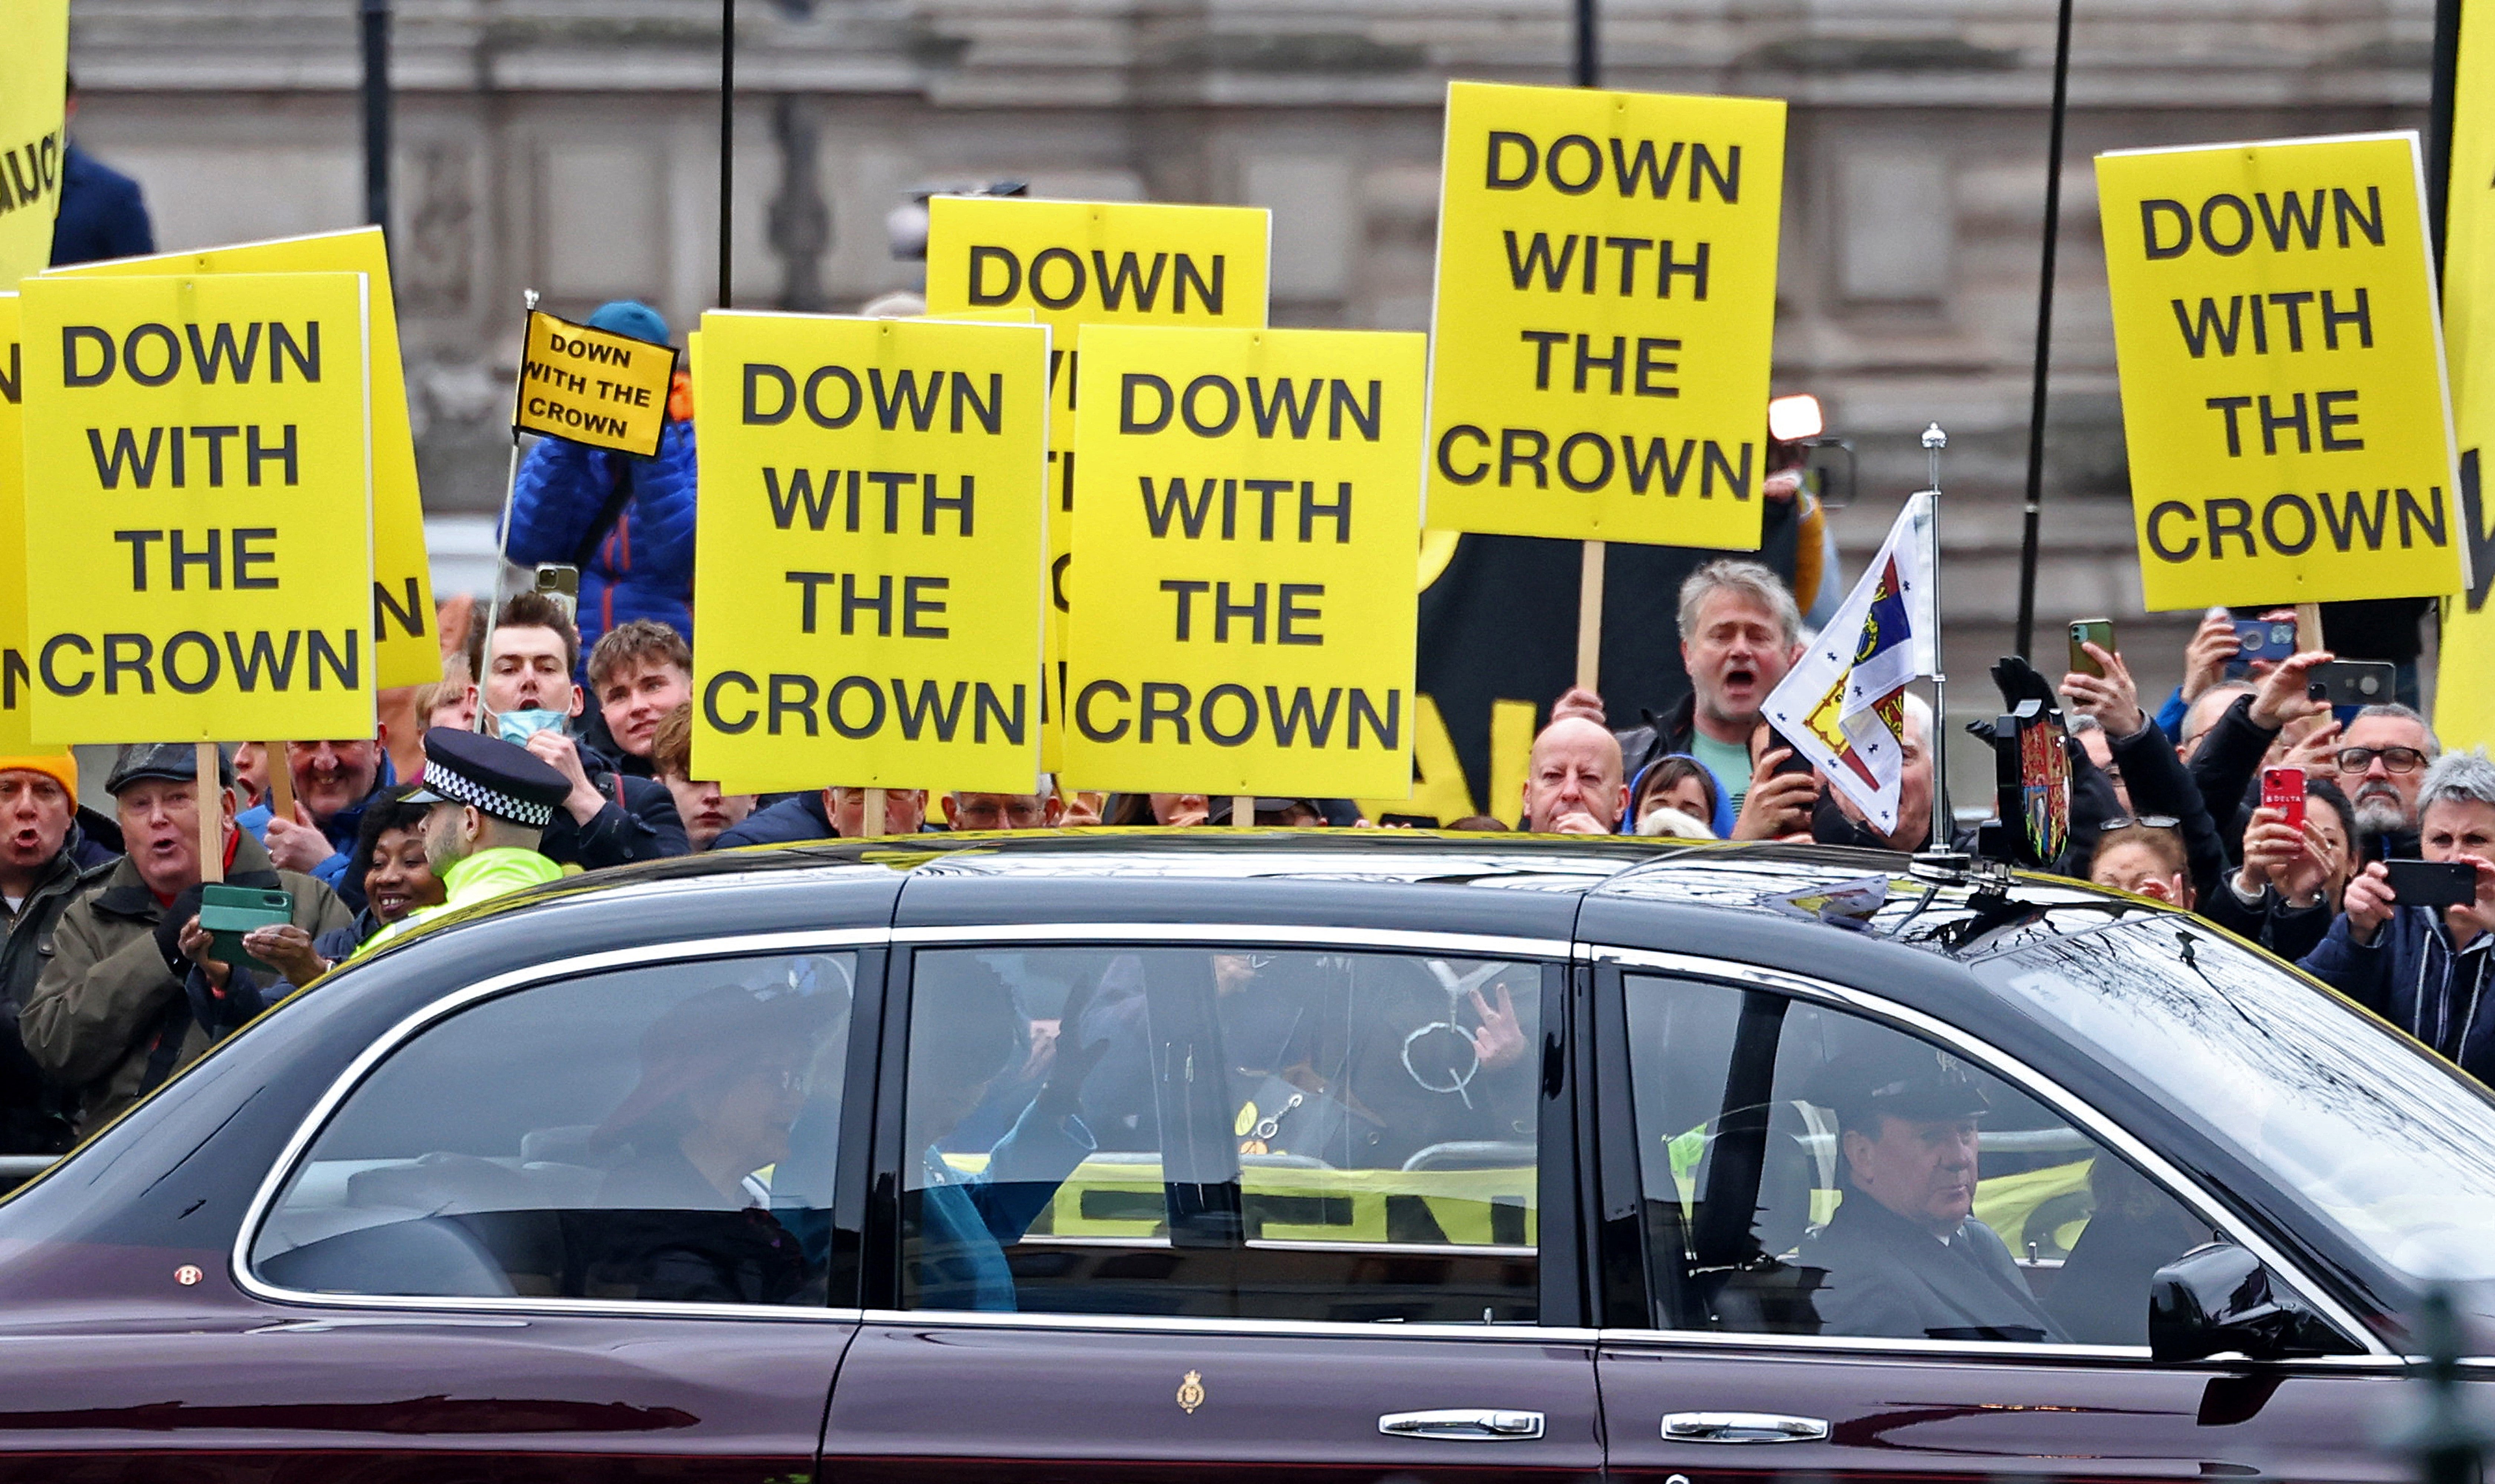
(2353, 682)
(1798, 763)
(2432, 883)
(2265, 639)
(1408, 820)
(2090, 631)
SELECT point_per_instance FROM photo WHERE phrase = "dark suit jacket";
(1887, 1278)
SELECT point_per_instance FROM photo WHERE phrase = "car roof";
(1627, 890)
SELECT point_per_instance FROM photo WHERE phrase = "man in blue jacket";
(102, 212)
(333, 783)
(2424, 969)
(626, 523)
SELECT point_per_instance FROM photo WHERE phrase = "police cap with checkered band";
(494, 775)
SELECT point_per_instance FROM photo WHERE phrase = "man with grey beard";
(2383, 757)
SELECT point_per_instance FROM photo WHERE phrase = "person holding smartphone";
(2294, 871)
(2414, 944)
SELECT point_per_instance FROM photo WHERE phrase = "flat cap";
(1913, 1082)
(173, 762)
(503, 779)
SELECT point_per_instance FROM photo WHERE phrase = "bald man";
(1573, 783)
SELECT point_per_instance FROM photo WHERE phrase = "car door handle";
(1480, 1423)
(1742, 1427)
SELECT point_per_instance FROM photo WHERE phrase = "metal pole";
(1589, 45)
(2438, 124)
(2031, 533)
(1934, 441)
(726, 150)
(376, 17)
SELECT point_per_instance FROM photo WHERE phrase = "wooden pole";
(2308, 625)
(212, 835)
(281, 782)
(870, 815)
(1589, 618)
(1243, 811)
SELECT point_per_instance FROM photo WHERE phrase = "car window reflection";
(662, 1133)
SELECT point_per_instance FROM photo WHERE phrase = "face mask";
(517, 726)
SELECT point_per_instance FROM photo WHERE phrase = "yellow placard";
(1250, 503)
(198, 467)
(869, 550)
(33, 75)
(1076, 262)
(2464, 697)
(593, 387)
(407, 649)
(1606, 310)
(15, 736)
(2283, 392)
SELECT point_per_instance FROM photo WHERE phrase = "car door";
(1155, 1204)
(1743, 1115)
(578, 1227)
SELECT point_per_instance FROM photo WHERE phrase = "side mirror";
(2219, 1298)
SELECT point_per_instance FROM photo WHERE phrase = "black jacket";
(1885, 1276)
(637, 822)
(2290, 932)
(2225, 769)
(1658, 737)
(2160, 785)
(36, 1117)
(787, 823)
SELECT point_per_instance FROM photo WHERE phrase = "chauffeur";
(112, 1014)
(492, 801)
(1904, 1255)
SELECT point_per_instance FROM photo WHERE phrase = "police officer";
(1905, 1256)
(491, 802)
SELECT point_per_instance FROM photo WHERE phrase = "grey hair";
(2461, 777)
(1752, 580)
(2083, 724)
(2393, 711)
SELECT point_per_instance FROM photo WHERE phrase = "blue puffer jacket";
(645, 568)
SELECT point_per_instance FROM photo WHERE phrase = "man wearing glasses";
(2383, 757)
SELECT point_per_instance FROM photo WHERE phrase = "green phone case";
(226, 912)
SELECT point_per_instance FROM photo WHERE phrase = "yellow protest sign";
(593, 387)
(2464, 700)
(2282, 376)
(198, 565)
(16, 708)
(406, 649)
(1606, 308)
(868, 551)
(1077, 263)
(34, 78)
(1250, 503)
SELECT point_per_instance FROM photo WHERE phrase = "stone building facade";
(572, 145)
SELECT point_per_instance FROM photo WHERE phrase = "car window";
(657, 1134)
(1221, 1131)
(1808, 1171)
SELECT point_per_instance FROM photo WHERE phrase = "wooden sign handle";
(281, 782)
(2308, 627)
(1590, 619)
(871, 820)
(212, 835)
(1243, 811)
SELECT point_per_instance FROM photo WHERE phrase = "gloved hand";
(168, 931)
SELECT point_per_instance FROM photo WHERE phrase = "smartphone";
(561, 582)
(2432, 883)
(2268, 641)
(2282, 789)
(1408, 820)
(226, 912)
(2090, 631)
(2353, 682)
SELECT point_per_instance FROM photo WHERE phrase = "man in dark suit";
(1905, 1256)
(102, 213)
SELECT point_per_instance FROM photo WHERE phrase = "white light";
(1794, 416)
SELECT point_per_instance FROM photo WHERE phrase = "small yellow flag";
(593, 387)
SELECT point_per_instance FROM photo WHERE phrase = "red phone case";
(2283, 788)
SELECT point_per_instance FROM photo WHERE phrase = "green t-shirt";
(1729, 762)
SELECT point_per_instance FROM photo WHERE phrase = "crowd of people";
(541, 756)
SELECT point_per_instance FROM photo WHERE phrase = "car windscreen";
(2385, 1141)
